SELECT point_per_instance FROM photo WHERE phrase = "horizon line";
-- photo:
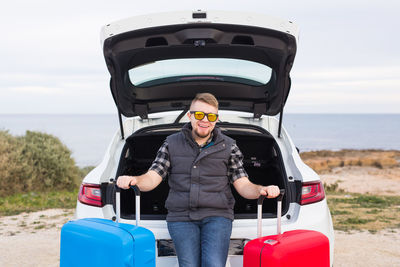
(285, 113)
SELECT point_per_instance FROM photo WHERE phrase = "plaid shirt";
(235, 169)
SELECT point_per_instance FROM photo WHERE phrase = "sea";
(87, 136)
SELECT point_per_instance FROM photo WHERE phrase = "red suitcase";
(292, 248)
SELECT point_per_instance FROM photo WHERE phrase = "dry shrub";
(10, 167)
(387, 162)
(325, 160)
(35, 162)
(333, 162)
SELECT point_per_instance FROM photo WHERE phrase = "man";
(201, 163)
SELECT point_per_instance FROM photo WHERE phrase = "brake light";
(312, 192)
(90, 194)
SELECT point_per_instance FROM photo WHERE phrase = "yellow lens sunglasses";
(199, 115)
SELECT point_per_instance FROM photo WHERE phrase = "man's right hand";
(126, 181)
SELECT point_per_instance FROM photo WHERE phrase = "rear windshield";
(187, 69)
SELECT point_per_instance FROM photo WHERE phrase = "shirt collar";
(187, 130)
(209, 140)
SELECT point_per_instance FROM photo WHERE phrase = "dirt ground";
(366, 249)
(365, 180)
(33, 239)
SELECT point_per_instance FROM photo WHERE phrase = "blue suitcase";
(101, 242)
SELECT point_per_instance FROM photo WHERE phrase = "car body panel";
(213, 16)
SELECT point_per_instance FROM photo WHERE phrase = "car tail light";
(90, 194)
(312, 192)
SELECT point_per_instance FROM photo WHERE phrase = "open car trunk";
(262, 161)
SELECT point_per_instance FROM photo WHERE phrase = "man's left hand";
(271, 191)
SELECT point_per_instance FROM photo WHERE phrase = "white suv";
(157, 65)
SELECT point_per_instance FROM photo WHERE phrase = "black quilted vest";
(198, 181)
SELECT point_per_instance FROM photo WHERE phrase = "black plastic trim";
(199, 15)
(270, 47)
(293, 190)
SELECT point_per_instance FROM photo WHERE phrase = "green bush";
(35, 162)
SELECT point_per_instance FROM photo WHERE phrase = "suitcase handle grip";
(261, 198)
(259, 212)
(134, 187)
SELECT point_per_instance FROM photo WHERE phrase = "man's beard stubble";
(201, 136)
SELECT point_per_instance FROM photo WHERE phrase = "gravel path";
(366, 249)
(32, 239)
(365, 180)
(27, 249)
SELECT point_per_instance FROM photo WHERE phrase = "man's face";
(202, 128)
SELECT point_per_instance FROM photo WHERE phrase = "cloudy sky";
(348, 57)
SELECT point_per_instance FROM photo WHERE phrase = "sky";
(348, 56)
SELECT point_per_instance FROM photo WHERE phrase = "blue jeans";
(202, 243)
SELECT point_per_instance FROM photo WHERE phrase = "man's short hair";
(206, 98)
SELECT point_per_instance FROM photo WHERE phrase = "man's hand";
(126, 181)
(271, 191)
(253, 191)
(145, 182)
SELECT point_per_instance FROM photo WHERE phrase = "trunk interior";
(262, 161)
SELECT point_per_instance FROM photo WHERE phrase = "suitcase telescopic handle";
(118, 203)
(279, 213)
